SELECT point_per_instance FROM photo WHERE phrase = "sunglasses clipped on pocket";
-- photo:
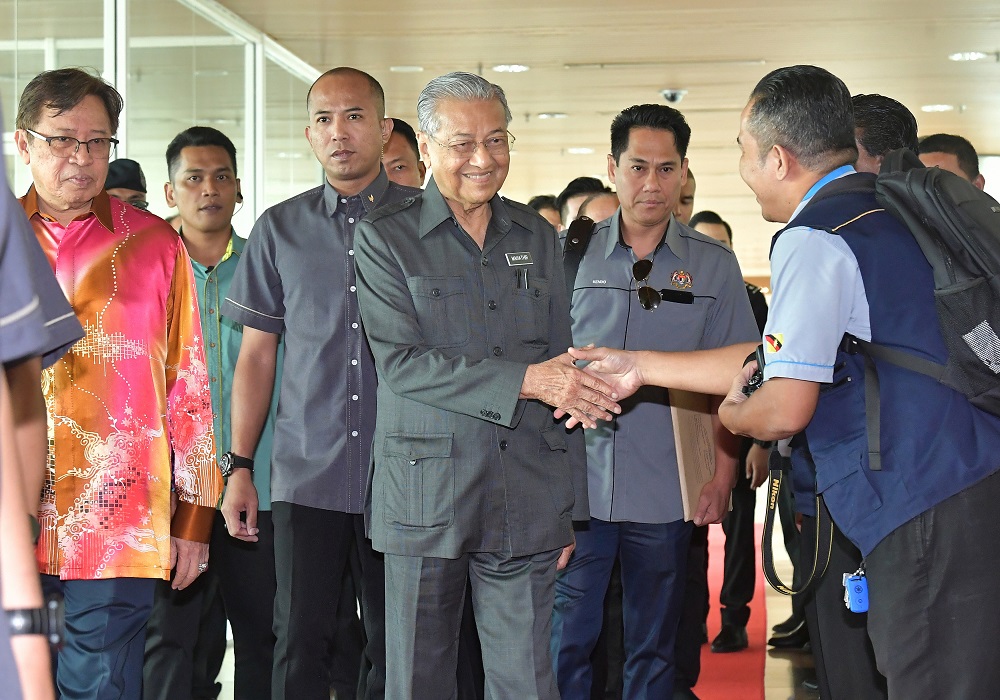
(650, 298)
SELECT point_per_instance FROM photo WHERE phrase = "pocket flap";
(435, 287)
(418, 446)
(555, 437)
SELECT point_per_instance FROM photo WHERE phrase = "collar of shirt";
(234, 247)
(435, 210)
(673, 236)
(370, 196)
(826, 179)
(100, 207)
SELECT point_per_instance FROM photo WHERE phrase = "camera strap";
(823, 543)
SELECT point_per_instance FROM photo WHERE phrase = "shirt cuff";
(191, 522)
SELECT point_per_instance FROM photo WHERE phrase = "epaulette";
(390, 209)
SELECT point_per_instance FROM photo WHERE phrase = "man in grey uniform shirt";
(635, 498)
(296, 279)
(465, 308)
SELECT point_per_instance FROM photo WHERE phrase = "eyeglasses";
(67, 146)
(495, 145)
(650, 298)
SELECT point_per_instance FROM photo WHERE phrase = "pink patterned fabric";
(129, 407)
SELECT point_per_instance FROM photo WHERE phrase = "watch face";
(226, 464)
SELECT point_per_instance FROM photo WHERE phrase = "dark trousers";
(105, 636)
(245, 571)
(845, 662)
(311, 547)
(934, 596)
(740, 568)
(691, 629)
(512, 598)
(653, 559)
(185, 641)
(348, 666)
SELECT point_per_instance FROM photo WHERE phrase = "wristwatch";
(47, 621)
(230, 461)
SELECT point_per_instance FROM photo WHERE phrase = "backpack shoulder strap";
(577, 239)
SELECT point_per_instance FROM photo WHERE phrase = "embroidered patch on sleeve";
(774, 342)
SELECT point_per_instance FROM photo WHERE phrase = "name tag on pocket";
(514, 259)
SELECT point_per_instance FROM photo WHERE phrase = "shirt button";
(413, 461)
(492, 305)
(354, 325)
(354, 397)
(350, 220)
(498, 351)
(343, 201)
(211, 311)
(485, 261)
(503, 444)
(354, 362)
(350, 252)
(211, 345)
(538, 293)
(354, 433)
(353, 288)
(213, 380)
(435, 292)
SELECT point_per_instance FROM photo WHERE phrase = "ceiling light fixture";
(972, 56)
(552, 115)
(510, 68)
(406, 69)
(937, 108)
(580, 151)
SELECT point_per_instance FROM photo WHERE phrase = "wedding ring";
(203, 567)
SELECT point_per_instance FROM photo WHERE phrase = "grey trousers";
(512, 598)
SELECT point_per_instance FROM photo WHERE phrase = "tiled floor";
(783, 673)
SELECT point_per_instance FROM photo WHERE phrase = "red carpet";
(737, 676)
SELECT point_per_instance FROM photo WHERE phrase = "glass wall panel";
(288, 164)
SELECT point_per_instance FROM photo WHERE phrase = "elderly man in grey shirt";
(466, 311)
(296, 279)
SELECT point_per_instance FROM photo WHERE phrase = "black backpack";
(957, 227)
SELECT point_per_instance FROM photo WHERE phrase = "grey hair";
(466, 87)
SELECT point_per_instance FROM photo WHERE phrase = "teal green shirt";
(222, 337)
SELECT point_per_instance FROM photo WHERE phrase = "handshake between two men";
(587, 394)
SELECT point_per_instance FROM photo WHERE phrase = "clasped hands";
(586, 394)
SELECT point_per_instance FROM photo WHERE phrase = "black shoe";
(796, 639)
(731, 638)
(788, 625)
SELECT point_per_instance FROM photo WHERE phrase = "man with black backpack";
(906, 463)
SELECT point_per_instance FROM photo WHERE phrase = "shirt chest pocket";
(531, 311)
(442, 310)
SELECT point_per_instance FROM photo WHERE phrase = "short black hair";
(885, 124)
(806, 110)
(406, 131)
(62, 90)
(710, 217)
(543, 201)
(197, 136)
(376, 87)
(576, 187)
(649, 116)
(961, 148)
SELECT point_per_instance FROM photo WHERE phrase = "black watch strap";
(46, 620)
(241, 462)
